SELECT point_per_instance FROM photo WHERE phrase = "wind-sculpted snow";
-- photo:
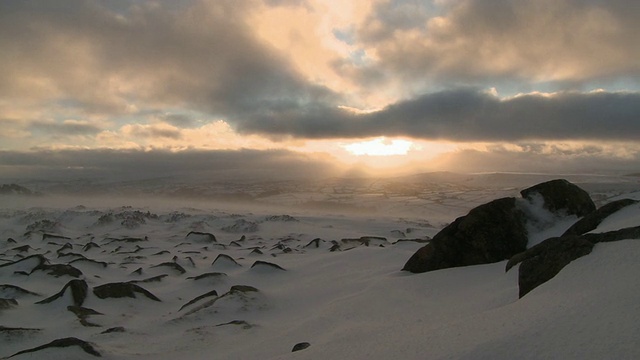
(179, 284)
(88, 274)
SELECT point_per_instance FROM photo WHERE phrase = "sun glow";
(379, 147)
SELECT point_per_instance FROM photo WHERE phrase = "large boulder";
(546, 259)
(592, 220)
(489, 233)
(561, 196)
(542, 262)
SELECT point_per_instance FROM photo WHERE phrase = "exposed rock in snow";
(592, 220)
(562, 196)
(489, 233)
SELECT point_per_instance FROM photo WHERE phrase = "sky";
(318, 87)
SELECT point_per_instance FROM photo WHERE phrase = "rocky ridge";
(497, 231)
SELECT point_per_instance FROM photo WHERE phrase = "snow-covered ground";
(350, 303)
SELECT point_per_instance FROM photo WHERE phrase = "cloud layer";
(206, 74)
(471, 115)
(190, 165)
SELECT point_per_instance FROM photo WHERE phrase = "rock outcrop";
(561, 196)
(78, 289)
(489, 233)
(542, 262)
(63, 343)
(592, 220)
(120, 290)
(496, 231)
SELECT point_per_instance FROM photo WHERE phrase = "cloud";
(202, 55)
(556, 158)
(476, 40)
(108, 165)
(66, 127)
(205, 73)
(468, 114)
(179, 120)
(153, 131)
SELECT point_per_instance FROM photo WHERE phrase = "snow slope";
(354, 303)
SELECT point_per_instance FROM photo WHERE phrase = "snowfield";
(251, 283)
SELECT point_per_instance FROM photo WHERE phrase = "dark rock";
(224, 260)
(15, 189)
(9, 330)
(398, 233)
(24, 248)
(561, 196)
(66, 246)
(241, 226)
(62, 343)
(27, 264)
(70, 254)
(616, 235)
(542, 262)
(207, 275)
(244, 324)
(90, 261)
(314, 243)
(120, 290)
(421, 241)
(548, 259)
(243, 288)
(300, 346)
(78, 288)
(58, 270)
(8, 303)
(116, 329)
(489, 233)
(172, 265)
(12, 291)
(592, 220)
(286, 218)
(266, 264)
(203, 296)
(201, 237)
(151, 279)
(83, 313)
(335, 246)
(54, 237)
(366, 240)
(42, 225)
(126, 239)
(90, 246)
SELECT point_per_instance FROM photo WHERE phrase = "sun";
(379, 147)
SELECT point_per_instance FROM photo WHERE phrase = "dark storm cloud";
(202, 55)
(469, 115)
(247, 165)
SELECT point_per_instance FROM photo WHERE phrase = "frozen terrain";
(203, 277)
